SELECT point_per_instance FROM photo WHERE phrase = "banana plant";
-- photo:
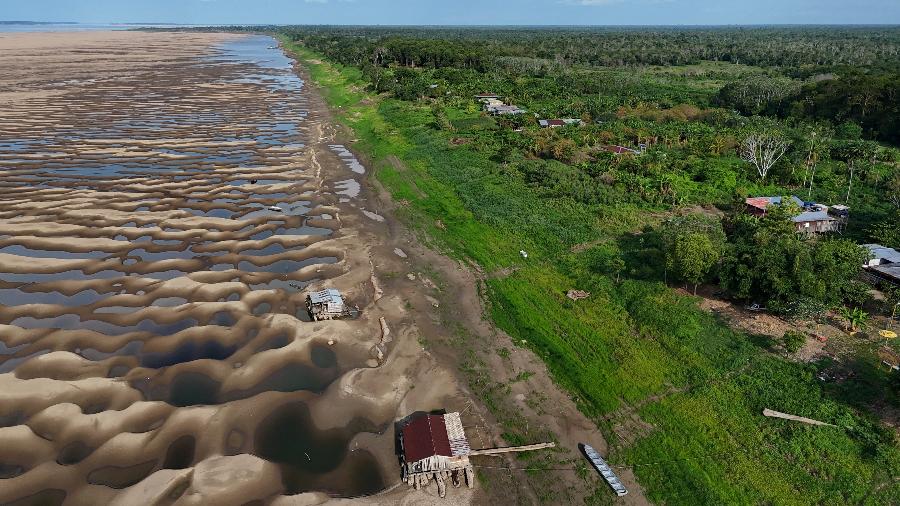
(856, 318)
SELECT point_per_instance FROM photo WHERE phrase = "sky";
(458, 12)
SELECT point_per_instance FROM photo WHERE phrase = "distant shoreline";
(72, 26)
(475, 26)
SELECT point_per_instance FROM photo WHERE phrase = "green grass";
(699, 386)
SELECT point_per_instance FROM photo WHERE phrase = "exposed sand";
(154, 346)
(155, 343)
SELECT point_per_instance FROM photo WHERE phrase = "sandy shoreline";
(152, 304)
(155, 345)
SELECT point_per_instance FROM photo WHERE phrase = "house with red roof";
(435, 447)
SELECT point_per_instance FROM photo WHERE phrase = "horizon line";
(385, 25)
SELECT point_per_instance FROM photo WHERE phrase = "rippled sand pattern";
(162, 210)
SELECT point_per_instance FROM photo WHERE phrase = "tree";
(862, 104)
(376, 72)
(816, 146)
(835, 263)
(693, 256)
(763, 150)
(849, 130)
(688, 224)
(767, 261)
(887, 233)
(857, 155)
(757, 94)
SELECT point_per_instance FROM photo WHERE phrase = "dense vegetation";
(832, 74)
(621, 226)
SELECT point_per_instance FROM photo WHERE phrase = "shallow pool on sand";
(159, 220)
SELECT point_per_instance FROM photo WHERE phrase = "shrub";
(793, 341)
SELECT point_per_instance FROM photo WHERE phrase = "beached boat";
(603, 468)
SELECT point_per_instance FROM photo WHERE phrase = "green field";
(698, 386)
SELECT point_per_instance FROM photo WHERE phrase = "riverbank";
(519, 400)
(677, 394)
(168, 200)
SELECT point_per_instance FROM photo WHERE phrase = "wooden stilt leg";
(442, 489)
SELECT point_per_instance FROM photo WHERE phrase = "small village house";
(556, 123)
(481, 97)
(883, 265)
(496, 107)
(435, 447)
(813, 218)
(504, 110)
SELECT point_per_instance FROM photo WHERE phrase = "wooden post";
(442, 489)
(810, 421)
(512, 449)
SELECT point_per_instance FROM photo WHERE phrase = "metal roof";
(329, 296)
(812, 216)
(425, 436)
(763, 202)
(552, 122)
(810, 211)
(889, 270)
(889, 255)
(459, 444)
(506, 108)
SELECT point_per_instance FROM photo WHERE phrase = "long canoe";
(603, 468)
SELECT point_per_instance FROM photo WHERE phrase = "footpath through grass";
(634, 350)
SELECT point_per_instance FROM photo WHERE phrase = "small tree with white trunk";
(763, 150)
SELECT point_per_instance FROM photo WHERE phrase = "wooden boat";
(603, 468)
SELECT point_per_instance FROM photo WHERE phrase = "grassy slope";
(700, 385)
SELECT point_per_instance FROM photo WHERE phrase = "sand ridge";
(167, 200)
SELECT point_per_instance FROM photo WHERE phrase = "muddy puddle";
(158, 228)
